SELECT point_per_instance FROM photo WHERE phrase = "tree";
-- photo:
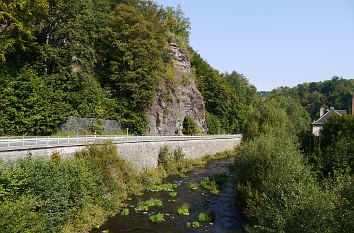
(244, 91)
(177, 22)
(219, 97)
(336, 93)
(190, 127)
(19, 20)
(133, 49)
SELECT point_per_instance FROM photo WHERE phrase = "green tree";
(219, 97)
(177, 22)
(28, 105)
(190, 127)
(337, 145)
(133, 51)
(19, 20)
(336, 93)
(244, 91)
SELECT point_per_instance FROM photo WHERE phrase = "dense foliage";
(332, 152)
(225, 102)
(190, 127)
(278, 115)
(101, 59)
(282, 190)
(85, 58)
(77, 194)
(336, 93)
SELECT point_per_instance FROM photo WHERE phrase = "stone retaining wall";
(142, 154)
(80, 124)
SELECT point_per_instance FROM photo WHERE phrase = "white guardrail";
(59, 140)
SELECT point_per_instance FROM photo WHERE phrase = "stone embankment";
(141, 152)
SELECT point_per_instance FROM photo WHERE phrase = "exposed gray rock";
(176, 100)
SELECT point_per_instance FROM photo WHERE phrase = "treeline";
(336, 93)
(102, 59)
(290, 181)
(226, 96)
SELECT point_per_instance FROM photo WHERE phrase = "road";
(6, 142)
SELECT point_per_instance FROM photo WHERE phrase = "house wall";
(316, 130)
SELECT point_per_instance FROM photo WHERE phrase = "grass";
(163, 187)
(153, 202)
(144, 206)
(156, 218)
(204, 217)
(124, 212)
(211, 183)
(219, 179)
(141, 207)
(193, 186)
(195, 224)
(172, 194)
(184, 209)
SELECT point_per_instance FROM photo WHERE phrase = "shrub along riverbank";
(75, 195)
(283, 190)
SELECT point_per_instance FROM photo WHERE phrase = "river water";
(228, 217)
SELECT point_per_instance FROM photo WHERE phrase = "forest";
(336, 93)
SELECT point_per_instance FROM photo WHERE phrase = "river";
(227, 216)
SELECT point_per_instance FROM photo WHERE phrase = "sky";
(274, 42)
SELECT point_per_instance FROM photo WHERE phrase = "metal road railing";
(16, 141)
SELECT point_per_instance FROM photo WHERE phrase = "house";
(316, 126)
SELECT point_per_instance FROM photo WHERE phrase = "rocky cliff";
(176, 98)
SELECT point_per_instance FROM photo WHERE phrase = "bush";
(21, 215)
(190, 127)
(165, 156)
(178, 154)
(213, 123)
(97, 128)
(172, 161)
(96, 179)
(44, 180)
(277, 190)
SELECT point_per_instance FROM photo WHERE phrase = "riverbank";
(79, 194)
(227, 217)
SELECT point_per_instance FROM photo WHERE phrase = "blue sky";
(274, 42)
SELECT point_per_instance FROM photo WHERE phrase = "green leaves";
(134, 46)
(28, 105)
(177, 22)
(190, 127)
(219, 97)
(19, 20)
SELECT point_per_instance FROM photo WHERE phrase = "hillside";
(106, 60)
(336, 93)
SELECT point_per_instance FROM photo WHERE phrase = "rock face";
(177, 99)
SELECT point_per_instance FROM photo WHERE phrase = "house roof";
(326, 116)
